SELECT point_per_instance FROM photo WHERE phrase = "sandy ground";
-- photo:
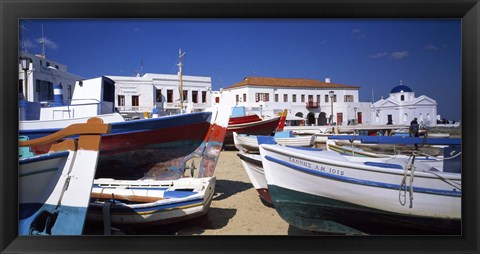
(236, 208)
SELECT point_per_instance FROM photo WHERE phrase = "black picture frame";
(466, 10)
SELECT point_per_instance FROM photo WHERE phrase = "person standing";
(414, 128)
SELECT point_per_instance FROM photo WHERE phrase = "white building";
(37, 75)
(401, 107)
(161, 91)
(313, 100)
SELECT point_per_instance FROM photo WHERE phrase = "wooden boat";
(32, 125)
(356, 150)
(252, 163)
(332, 146)
(327, 191)
(244, 119)
(396, 146)
(351, 150)
(369, 130)
(309, 129)
(149, 202)
(438, 135)
(153, 148)
(54, 188)
(263, 127)
(249, 142)
(157, 147)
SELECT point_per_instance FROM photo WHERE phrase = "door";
(359, 117)
(311, 118)
(339, 118)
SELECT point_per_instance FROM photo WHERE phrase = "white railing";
(134, 109)
(176, 105)
(170, 105)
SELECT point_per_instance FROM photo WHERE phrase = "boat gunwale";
(368, 183)
(359, 165)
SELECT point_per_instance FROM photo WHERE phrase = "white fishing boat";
(351, 150)
(306, 129)
(54, 188)
(438, 135)
(327, 191)
(252, 163)
(249, 142)
(429, 149)
(139, 203)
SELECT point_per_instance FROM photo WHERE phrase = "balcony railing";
(311, 104)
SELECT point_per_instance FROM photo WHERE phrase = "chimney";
(327, 80)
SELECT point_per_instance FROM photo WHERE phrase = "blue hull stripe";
(137, 125)
(383, 165)
(119, 208)
(131, 188)
(364, 182)
(166, 194)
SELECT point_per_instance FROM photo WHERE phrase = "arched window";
(402, 97)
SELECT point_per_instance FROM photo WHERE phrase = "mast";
(180, 87)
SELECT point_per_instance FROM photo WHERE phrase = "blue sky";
(375, 54)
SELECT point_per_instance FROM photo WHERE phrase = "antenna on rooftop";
(138, 73)
(373, 98)
(22, 32)
(43, 44)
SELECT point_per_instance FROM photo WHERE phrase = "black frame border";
(13, 10)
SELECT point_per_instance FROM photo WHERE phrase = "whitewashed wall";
(272, 107)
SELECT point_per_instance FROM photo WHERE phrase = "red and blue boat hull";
(156, 148)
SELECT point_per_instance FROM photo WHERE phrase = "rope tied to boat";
(354, 137)
(441, 159)
(409, 166)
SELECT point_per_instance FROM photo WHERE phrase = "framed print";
(266, 56)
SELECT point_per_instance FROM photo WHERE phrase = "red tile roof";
(288, 82)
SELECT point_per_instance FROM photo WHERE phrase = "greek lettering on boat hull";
(317, 167)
